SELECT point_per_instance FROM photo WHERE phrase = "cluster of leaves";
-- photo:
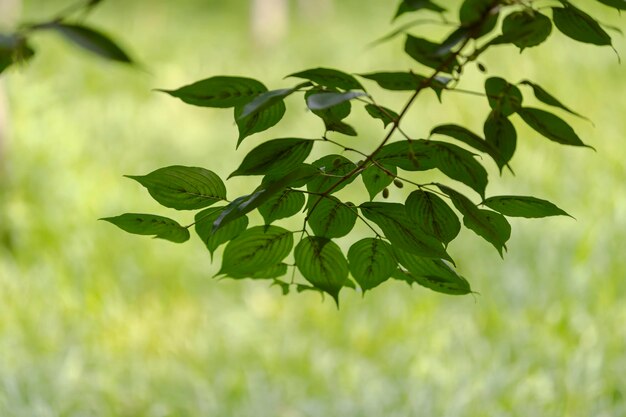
(408, 240)
(16, 48)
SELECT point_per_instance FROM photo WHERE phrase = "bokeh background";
(96, 322)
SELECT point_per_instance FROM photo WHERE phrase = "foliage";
(409, 241)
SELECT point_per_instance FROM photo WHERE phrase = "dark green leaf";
(331, 78)
(339, 127)
(409, 156)
(469, 138)
(521, 206)
(183, 188)
(149, 224)
(13, 49)
(460, 35)
(258, 248)
(383, 113)
(547, 98)
(503, 97)
(501, 135)
(393, 220)
(376, 180)
(407, 6)
(427, 53)
(371, 262)
(204, 228)
(333, 167)
(90, 40)
(431, 214)
(271, 272)
(489, 225)
(333, 116)
(259, 121)
(275, 156)
(220, 92)
(525, 29)
(458, 164)
(618, 4)
(323, 264)
(322, 101)
(578, 25)
(406, 81)
(332, 218)
(479, 15)
(550, 126)
(262, 194)
(282, 205)
(434, 274)
(263, 101)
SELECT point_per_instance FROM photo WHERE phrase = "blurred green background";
(96, 322)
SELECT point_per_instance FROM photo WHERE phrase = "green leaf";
(371, 262)
(332, 218)
(149, 224)
(406, 81)
(271, 272)
(409, 156)
(376, 180)
(503, 97)
(431, 214)
(525, 29)
(331, 78)
(282, 205)
(489, 225)
(333, 116)
(618, 4)
(550, 126)
(183, 188)
(427, 53)
(458, 164)
(322, 101)
(547, 98)
(259, 121)
(264, 100)
(521, 206)
(268, 188)
(501, 135)
(275, 156)
(469, 138)
(431, 273)
(257, 249)
(384, 114)
(321, 262)
(90, 40)
(578, 25)
(393, 220)
(479, 15)
(204, 228)
(407, 6)
(14, 49)
(220, 92)
(333, 167)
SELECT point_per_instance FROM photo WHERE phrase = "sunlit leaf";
(257, 249)
(149, 224)
(522, 206)
(213, 239)
(332, 218)
(371, 262)
(275, 156)
(431, 214)
(322, 101)
(219, 91)
(321, 262)
(183, 188)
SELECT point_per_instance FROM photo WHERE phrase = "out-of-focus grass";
(94, 322)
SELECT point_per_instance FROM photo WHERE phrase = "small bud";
(386, 193)
(481, 67)
(398, 183)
